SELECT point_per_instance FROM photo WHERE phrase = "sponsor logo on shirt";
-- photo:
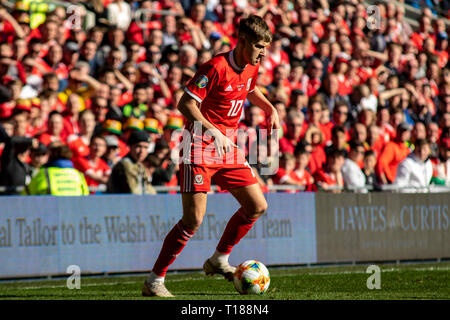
(239, 87)
(201, 81)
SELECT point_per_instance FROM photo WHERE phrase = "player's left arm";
(256, 97)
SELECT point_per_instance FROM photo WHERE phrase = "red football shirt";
(221, 88)
(85, 165)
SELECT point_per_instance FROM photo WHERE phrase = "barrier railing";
(273, 188)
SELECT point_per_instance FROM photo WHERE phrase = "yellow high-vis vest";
(58, 182)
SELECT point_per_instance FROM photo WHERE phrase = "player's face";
(255, 51)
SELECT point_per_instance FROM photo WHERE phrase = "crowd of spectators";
(364, 99)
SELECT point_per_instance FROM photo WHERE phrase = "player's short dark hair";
(255, 29)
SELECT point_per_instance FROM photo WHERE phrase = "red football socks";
(173, 244)
(236, 229)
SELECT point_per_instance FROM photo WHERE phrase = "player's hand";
(223, 143)
(273, 121)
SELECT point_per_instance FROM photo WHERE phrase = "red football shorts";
(194, 177)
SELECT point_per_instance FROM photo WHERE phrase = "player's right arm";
(189, 108)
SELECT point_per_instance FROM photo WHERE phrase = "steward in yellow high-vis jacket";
(58, 177)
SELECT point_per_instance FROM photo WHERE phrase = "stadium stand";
(379, 70)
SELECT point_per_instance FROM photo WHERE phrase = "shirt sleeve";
(204, 79)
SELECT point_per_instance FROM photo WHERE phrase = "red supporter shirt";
(78, 146)
(46, 138)
(85, 165)
(302, 177)
(6, 109)
(221, 88)
(323, 176)
(317, 159)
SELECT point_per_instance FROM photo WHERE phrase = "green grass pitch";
(398, 282)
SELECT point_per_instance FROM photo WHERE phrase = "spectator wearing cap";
(95, 169)
(415, 170)
(129, 174)
(441, 164)
(354, 178)
(114, 127)
(111, 156)
(172, 133)
(130, 126)
(154, 129)
(58, 177)
(394, 152)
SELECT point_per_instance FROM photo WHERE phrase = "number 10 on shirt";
(236, 106)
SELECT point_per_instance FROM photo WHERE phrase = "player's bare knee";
(257, 210)
(260, 210)
(192, 223)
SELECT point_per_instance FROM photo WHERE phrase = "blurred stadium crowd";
(364, 97)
